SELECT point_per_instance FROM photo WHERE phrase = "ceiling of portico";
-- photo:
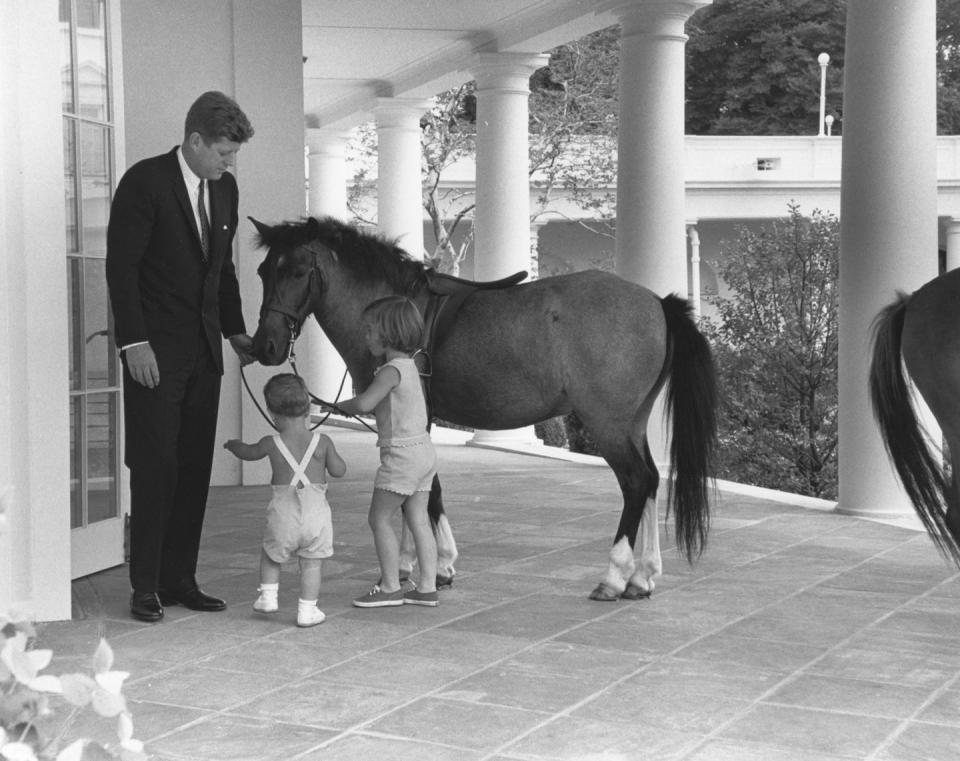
(359, 50)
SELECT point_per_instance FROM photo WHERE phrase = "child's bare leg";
(269, 584)
(269, 569)
(415, 509)
(408, 550)
(383, 509)
(310, 578)
(308, 614)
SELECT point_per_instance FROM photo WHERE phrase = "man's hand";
(243, 345)
(142, 365)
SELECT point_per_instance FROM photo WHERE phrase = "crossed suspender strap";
(299, 468)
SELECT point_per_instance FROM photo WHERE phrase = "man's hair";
(217, 117)
(398, 322)
(286, 395)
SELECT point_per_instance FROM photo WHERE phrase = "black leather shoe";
(146, 606)
(195, 599)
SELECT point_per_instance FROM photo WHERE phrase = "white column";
(651, 246)
(953, 244)
(694, 235)
(34, 376)
(322, 366)
(399, 185)
(502, 217)
(888, 225)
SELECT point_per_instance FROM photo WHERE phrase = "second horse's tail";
(919, 470)
(692, 403)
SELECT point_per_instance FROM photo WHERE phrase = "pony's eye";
(301, 271)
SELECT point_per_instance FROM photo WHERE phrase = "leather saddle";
(445, 296)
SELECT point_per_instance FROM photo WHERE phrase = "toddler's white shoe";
(266, 602)
(309, 616)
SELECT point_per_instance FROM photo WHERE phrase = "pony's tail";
(691, 401)
(920, 472)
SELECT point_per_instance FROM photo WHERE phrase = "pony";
(924, 329)
(508, 356)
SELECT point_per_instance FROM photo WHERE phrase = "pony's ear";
(261, 228)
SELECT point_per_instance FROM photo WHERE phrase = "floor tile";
(226, 738)
(814, 731)
(470, 726)
(894, 701)
(923, 742)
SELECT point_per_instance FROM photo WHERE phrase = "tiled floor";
(801, 635)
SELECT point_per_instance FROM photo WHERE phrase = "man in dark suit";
(174, 292)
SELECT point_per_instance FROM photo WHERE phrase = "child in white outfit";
(407, 458)
(298, 516)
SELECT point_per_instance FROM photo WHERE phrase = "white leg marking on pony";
(621, 566)
(650, 563)
(446, 548)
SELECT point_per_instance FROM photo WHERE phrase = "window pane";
(92, 60)
(74, 300)
(95, 142)
(101, 359)
(70, 183)
(102, 491)
(66, 58)
(76, 464)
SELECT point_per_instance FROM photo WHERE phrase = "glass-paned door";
(96, 515)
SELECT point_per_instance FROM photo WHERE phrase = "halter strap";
(299, 468)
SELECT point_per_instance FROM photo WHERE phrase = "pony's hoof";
(604, 593)
(633, 592)
(444, 582)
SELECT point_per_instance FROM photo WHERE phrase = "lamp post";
(823, 59)
(829, 121)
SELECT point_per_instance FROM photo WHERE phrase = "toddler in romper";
(298, 516)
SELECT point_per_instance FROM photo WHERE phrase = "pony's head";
(303, 258)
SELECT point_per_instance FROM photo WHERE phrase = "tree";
(752, 66)
(776, 345)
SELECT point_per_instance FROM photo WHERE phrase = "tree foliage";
(776, 343)
(752, 66)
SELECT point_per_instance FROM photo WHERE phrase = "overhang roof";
(359, 50)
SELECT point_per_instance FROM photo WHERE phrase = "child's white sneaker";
(267, 601)
(308, 614)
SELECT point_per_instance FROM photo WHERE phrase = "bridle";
(294, 319)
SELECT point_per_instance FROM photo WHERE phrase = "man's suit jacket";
(160, 288)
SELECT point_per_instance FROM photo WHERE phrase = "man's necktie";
(204, 224)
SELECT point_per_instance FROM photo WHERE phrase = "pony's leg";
(650, 563)
(620, 568)
(446, 553)
(634, 479)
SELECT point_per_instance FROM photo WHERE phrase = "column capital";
(506, 71)
(325, 140)
(400, 112)
(661, 18)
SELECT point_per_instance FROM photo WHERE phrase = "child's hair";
(286, 395)
(398, 322)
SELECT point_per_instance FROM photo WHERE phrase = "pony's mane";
(369, 256)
